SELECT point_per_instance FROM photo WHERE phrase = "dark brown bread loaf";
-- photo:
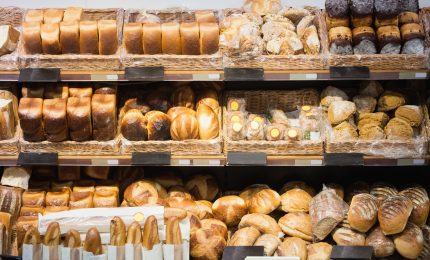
(134, 126)
(337, 8)
(30, 111)
(79, 118)
(55, 119)
(386, 9)
(103, 110)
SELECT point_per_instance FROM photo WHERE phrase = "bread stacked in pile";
(57, 31)
(178, 112)
(149, 35)
(367, 16)
(373, 114)
(266, 28)
(58, 113)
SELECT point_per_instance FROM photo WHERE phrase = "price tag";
(343, 159)
(412, 75)
(103, 162)
(206, 77)
(305, 162)
(243, 74)
(410, 162)
(26, 158)
(350, 72)
(304, 76)
(352, 252)
(144, 73)
(104, 77)
(241, 252)
(184, 162)
(156, 158)
(39, 75)
(245, 158)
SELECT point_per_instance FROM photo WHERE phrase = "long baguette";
(150, 235)
(52, 235)
(117, 232)
(134, 233)
(173, 232)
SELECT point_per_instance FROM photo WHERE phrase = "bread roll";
(31, 211)
(133, 38)
(171, 39)
(34, 15)
(93, 242)
(345, 236)
(72, 239)
(205, 17)
(419, 197)
(293, 246)
(382, 245)
(184, 127)
(410, 242)
(69, 37)
(152, 38)
(363, 212)
(50, 34)
(207, 244)
(229, 209)
(88, 37)
(295, 200)
(244, 237)
(158, 126)
(393, 214)
(264, 223)
(174, 212)
(33, 198)
(190, 38)
(136, 193)
(203, 187)
(83, 199)
(73, 14)
(52, 235)
(150, 235)
(108, 37)
(134, 233)
(208, 122)
(183, 96)
(117, 232)
(32, 236)
(103, 110)
(134, 126)
(319, 251)
(52, 16)
(31, 37)
(269, 242)
(297, 224)
(55, 118)
(173, 232)
(79, 118)
(209, 38)
(411, 114)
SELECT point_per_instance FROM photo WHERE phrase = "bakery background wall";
(153, 4)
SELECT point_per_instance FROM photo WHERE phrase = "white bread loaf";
(9, 37)
(133, 38)
(394, 213)
(108, 37)
(205, 16)
(52, 15)
(190, 38)
(72, 14)
(50, 33)
(31, 37)
(103, 110)
(209, 38)
(88, 37)
(170, 38)
(69, 37)
(34, 15)
(152, 38)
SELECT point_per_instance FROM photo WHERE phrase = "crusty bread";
(203, 187)
(363, 212)
(419, 197)
(394, 213)
(190, 38)
(152, 38)
(134, 126)
(264, 223)
(30, 112)
(295, 200)
(382, 191)
(171, 39)
(229, 209)
(382, 245)
(297, 224)
(410, 242)
(244, 237)
(209, 38)
(293, 246)
(345, 236)
(340, 111)
(269, 242)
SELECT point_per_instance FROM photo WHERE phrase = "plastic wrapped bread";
(236, 104)
(255, 127)
(236, 125)
(275, 132)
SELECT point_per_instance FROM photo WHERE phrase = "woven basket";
(10, 16)
(71, 147)
(79, 61)
(383, 61)
(169, 61)
(281, 62)
(258, 102)
(11, 146)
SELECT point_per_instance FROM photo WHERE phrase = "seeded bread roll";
(382, 245)
(419, 197)
(389, 39)
(410, 242)
(340, 39)
(394, 213)
(364, 40)
(363, 212)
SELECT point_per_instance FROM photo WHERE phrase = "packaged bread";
(275, 132)
(236, 125)
(108, 37)
(236, 104)
(34, 15)
(50, 34)
(255, 127)
(31, 37)
(103, 110)
(190, 42)
(364, 40)
(389, 39)
(171, 39)
(52, 16)
(72, 14)
(133, 38)
(88, 37)
(209, 38)
(279, 117)
(294, 134)
(309, 119)
(69, 36)
(79, 118)
(340, 39)
(152, 38)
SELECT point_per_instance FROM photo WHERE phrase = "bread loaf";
(137, 193)
(93, 242)
(72, 239)
(135, 103)
(419, 197)
(30, 115)
(134, 126)
(190, 38)
(52, 16)
(203, 187)
(390, 100)
(105, 199)
(81, 92)
(209, 38)
(382, 245)
(55, 119)
(31, 37)
(53, 209)
(410, 242)
(345, 236)
(208, 122)
(134, 233)
(152, 43)
(263, 223)
(298, 184)
(183, 96)
(103, 110)
(364, 40)
(9, 37)
(244, 237)
(205, 17)
(264, 201)
(34, 15)
(425, 253)
(295, 200)
(382, 191)
(171, 39)
(340, 39)
(293, 246)
(7, 119)
(69, 37)
(57, 198)
(363, 212)
(229, 209)
(31, 211)
(81, 199)
(108, 37)
(158, 126)
(319, 251)
(88, 37)
(269, 242)
(133, 38)
(399, 129)
(326, 211)
(297, 224)
(393, 214)
(408, 17)
(79, 118)
(50, 34)
(207, 244)
(117, 232)
(389, 39)
(411, 114)
(72, 14)
(150, 235)
(173, 232)
(33, 198)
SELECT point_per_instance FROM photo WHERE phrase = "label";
(241, 252)
(156, 158)
(243, 74)
(246, 158)
(352, 252)
(10, 257)
(104, 77)
(102, 162)
(184, 162)
(421, 75)
(144, 73)
(214, 162)
(343, 159)
(302, 76)
(26, 158)
(412, 75)
(206, 77)
(39, 75)
(272, 258)
(350, 72)
(408, 162)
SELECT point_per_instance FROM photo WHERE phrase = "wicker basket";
(282, 62)
(169, 61)
(11, 146)
(71, 147)
(10, 16)
(79, 61)
(258, 102)
(383, 61)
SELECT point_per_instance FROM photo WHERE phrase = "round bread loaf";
(184, 127)
(382, 245)
(264, 201)
(363, 212)
(297, 224)
(264, 223)
(134, 126)
(137, 193)
(319, 251)
(295, 200)
(158, 126)
(394, 213)
(203, 187)
(244, 237)
(229, 209)
(382, 191)
(208, 122)
(337, 188)
(249, 191)
(215, 225)
(337, 8)
(386, 9)
(269, 242)
(298, 184)
(410, 242)
(293, 246)
(420, 199)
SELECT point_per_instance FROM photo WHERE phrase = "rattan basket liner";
(10, 16)
(11, 146)
(258, 102)
(79, 61)
(169, 61)
(71, 147)
(282, 62)
(383, 61)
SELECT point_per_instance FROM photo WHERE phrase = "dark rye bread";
(409, 5)
(382, 191)
(394, 213)
(421, 204)
(387, 9)
(337, 8)
(363, 212)
(361, 8)
(410, 242)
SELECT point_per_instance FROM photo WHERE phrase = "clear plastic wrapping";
(255, 127)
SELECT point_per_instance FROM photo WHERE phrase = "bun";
(207, 244)
(108, 38)
(393, 214)
(173, 232)
(295, 200)
(215, 225)
(203, 187)
(117, 232)
(93, 242)
(244, 237)
(229, 209)
(269, 242)
(382, 245)
(363, 212)
(152, 38)
(410, 242)
(421, 205)
(293, 246)
(208, 122)
(183, 203)
(174, 212)
(88, 37)
(137, 193)
(72, 239)
(184, 127)
(205, 209)
(52, 235)
(133, 38)
(297, 224)
(264, 223)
